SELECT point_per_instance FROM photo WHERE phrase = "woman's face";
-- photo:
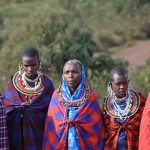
(120, 85)
(72, 76)
(30, 66)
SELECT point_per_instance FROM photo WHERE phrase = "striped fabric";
(88, 123)
(3, 128)
(144, 138)
(131, 128)
(26, 123)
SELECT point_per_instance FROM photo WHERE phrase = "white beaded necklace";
(123, 113)
(27, 86)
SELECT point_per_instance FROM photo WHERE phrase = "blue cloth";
(26, 123)
(73, 142)
(73, 139)
(122, 136)
(79, 91)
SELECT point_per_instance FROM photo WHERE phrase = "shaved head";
(30, 52)
(117, 71)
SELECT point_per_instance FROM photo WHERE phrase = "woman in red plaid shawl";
(3, 128)
(27, 98)
(74, 120)
(144, 138)
(122, 113)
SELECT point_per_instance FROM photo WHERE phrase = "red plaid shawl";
(144, 137)
(88, 123)
(131, 127)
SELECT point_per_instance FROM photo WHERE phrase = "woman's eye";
(25, 65)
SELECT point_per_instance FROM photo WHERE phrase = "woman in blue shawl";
(74, 120)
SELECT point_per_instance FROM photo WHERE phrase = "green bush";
(140, 79)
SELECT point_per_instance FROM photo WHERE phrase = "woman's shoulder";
(141, 97)
(90, 87)
(46, 77)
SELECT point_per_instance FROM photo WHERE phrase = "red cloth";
(88, 123)
(131, 127)
(144, 138)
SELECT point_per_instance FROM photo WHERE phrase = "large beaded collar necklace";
(75, 103)
(133, 103)
(20, 82)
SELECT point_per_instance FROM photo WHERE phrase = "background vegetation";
(63, 29)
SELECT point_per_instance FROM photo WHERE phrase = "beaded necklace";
(122, 112)
(132, 104)
(70, 103)
(21, 84)
(37, 82)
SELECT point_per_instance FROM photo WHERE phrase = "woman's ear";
(110, 84)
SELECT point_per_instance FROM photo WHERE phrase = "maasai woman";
(3, 128)
(27, 98)
(122, 113)
(74, 118)
(144, 138)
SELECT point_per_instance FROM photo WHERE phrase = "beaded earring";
(110, 91)
(20, 68)
(40, 66)
(129, 88)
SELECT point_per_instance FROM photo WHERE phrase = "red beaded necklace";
(78, 102)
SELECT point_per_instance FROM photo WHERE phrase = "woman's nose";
(122, 86)
(29, 68)
(70, 75)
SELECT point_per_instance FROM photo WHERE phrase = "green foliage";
(66, 43)
(141, 2)
(68, 29)
(140, 79)
(1, 21)
(121, 5)
(99, 72)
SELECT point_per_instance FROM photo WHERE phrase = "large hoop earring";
(20, 68)
(110, 92)
(129, 87)
(40, 66)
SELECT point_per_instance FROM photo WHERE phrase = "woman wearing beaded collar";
(74, 118)
(122, 113)
(27, 98)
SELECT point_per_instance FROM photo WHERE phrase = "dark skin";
(72, 76)
(30, 66)
(120, 85)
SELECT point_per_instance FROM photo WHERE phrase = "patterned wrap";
(131, 127)
(144, 137)
(88, 123)
(3, 128)
(26, 123)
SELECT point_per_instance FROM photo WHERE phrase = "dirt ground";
(135, 55)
